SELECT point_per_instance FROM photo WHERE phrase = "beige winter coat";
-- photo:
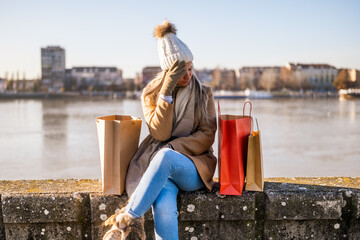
(196, 146)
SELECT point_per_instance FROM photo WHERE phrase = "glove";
(176, 71)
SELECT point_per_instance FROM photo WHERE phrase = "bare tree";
(290, 79)
(268, 80)
(215, 84)
(24, 82)
(247, 77)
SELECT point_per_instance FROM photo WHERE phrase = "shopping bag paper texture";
(254, 169)
(118, 137)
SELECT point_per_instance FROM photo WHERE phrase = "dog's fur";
(163, 29)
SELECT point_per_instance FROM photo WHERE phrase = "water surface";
(41, 139)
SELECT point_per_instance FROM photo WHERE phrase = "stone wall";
(282, 211)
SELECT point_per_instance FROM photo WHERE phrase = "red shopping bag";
(234, 131)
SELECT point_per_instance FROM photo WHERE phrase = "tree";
(215, 84)
(9, 84)
(343, 80)
(36, 86)
(290, 79)
(268, 80)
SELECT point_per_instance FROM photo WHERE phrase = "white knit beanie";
(170, 47)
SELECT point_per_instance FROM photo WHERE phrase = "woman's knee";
(163, 157)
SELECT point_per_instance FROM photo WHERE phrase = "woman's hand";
(176, 71)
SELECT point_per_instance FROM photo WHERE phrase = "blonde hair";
(152, 89)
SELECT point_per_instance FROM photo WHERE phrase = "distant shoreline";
(68, 95)
(136, 95)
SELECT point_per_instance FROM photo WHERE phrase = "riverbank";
(289, 208)
(250, 94)
(68, 95)
(254, 94)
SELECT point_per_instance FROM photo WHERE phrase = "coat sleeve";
(158, 119)
(202, 139)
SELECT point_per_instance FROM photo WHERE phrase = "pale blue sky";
(223, 33)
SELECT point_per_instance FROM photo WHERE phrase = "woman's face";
(185, 80)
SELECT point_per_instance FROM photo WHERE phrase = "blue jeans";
(168, 171)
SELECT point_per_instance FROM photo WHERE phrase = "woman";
(177, 154)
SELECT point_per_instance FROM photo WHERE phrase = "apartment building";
(314, 76)
(149, 73)
(52, 68)
(101, 78)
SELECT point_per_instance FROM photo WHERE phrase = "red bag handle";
(245, 106)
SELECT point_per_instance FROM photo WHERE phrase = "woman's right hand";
(176, 71)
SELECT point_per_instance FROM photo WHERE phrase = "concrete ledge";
(46, 216)
(282, 211)
(205, 206)
(2, 226)
(44, 208)
(209, 215)
(302, 206)
(356, 204)
(46, 231)
(310, 229)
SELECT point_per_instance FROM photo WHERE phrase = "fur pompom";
(166, 27)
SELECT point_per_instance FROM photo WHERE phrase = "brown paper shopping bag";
(118, 138)
(254, 167)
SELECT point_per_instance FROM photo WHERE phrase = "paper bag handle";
(245, 106)
(252, 123)
(219, 107)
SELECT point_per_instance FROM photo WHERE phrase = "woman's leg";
(166, 164)
(165, 212)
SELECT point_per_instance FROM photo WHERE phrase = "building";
(52, 68)
(313, 76)
(129, 84)
(24, 85)
(259, 77)
(29, 85)
(138, 81)
(224, 79)
(354, 75)
(2, 85)
(93, 78)
(204, 75)
(149, 73)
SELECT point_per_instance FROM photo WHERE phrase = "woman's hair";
(152, 89)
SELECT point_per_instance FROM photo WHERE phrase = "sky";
(225, 34)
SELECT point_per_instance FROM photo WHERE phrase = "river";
(57, 138)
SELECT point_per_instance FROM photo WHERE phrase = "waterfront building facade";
(314, 76)
(224, 79)
(29, 85)
(52, 68)
(93, 78)
(149, 73)
(138, 81)
(259, 77)
(129, 84)
(2, 85)
(204, 75)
